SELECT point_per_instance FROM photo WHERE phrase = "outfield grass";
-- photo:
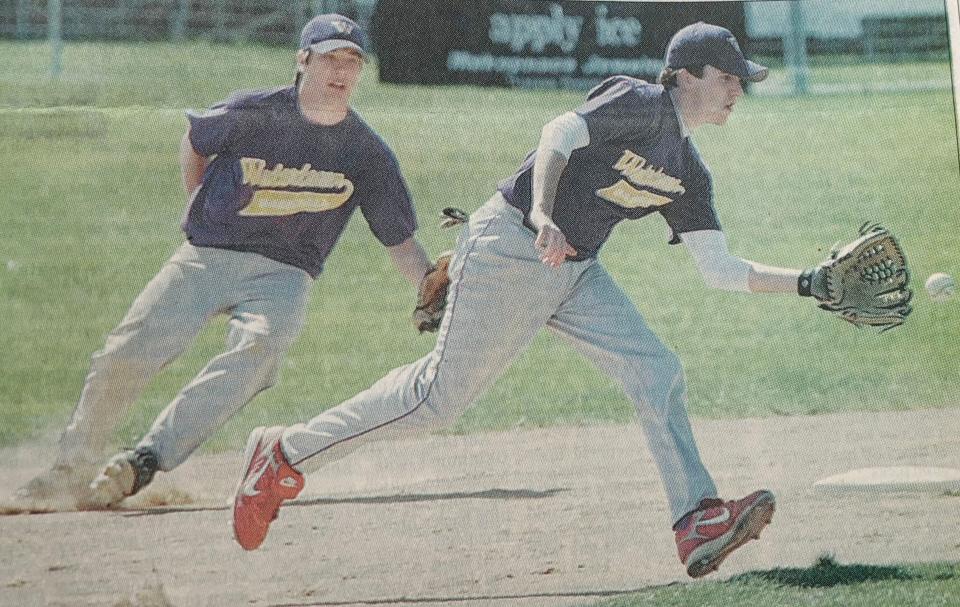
(825, 584)
(853, 72)
(92, 204)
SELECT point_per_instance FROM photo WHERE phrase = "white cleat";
(126, 473)
(113, 484)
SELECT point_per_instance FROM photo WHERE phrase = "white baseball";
(940, 286)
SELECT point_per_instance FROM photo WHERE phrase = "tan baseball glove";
(865, 283)
(432, 295)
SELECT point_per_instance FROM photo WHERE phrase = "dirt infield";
(554, 517)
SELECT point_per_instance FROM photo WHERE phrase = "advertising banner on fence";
(560, 44)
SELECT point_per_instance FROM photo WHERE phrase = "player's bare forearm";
(546, 176)
(767, 279)
(721, 269)
(410, 259)
(550, 240)
(192, 165)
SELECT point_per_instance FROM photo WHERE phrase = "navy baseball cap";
(705, 44)
(325, 33)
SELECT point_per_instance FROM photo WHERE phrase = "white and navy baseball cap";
(325, 33)
(705, 44)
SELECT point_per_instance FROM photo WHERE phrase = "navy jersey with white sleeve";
(639, 162)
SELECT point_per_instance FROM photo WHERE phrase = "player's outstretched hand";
(553, 246)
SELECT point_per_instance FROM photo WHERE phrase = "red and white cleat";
(717, 528)
(268, 480)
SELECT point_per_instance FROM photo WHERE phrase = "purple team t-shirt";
(284, 187)
(638, 162)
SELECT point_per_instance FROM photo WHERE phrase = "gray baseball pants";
(500, 296)
(266, 301)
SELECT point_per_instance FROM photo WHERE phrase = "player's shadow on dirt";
(827, 573)
(488, 494)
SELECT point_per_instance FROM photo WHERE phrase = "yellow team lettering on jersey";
(638, 172)
(271, 201)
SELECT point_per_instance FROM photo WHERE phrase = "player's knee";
(124, 356)
(270, 377)
(257, 359)
(269, 347)
(260, 360)
(138, 342)
(266, 346)
(445, 408)
(649, 378)
(259, 336)
(670, 365)
(444, 418)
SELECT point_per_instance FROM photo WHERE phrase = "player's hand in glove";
(432, 295)
(865, 283)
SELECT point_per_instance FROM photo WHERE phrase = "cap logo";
(344, 27)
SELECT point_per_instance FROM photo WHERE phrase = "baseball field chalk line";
(892, 479)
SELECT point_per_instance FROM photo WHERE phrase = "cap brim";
(755, 72)
(331, 45)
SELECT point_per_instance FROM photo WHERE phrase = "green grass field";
(825, 584)
(92, 203)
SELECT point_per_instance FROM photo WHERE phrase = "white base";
(895, 478)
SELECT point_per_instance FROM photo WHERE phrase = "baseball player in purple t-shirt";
(273, 177)
(527, 259)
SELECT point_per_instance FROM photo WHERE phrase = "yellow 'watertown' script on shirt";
(640, 173)
(270, 199)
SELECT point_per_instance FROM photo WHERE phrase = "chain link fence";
(237, 21)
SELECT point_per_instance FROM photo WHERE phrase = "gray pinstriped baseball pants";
(266, 301)
(500, 296)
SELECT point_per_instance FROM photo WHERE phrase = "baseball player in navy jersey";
(527, 259)
(273, 177)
